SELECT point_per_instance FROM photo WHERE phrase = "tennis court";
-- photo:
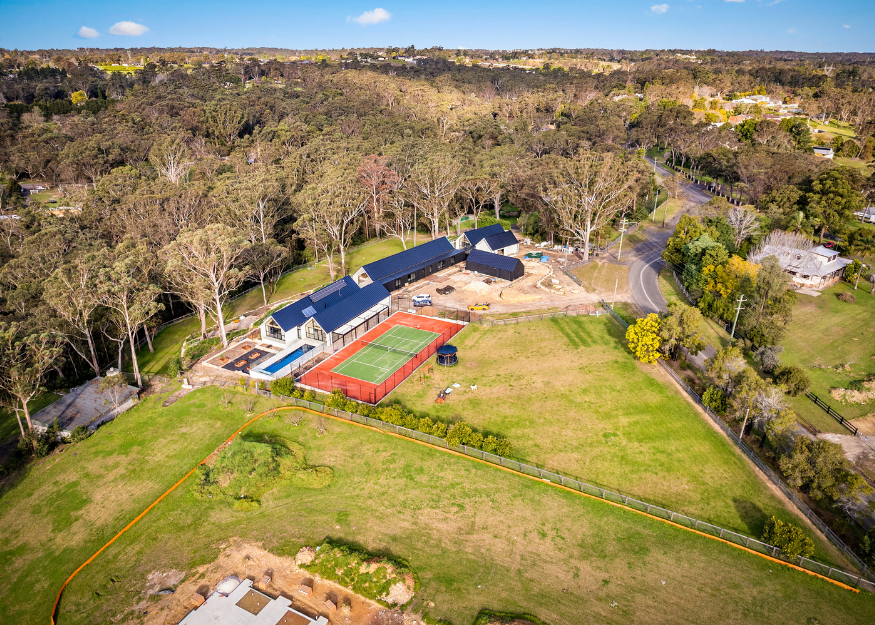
(379, 359)
(367, 369)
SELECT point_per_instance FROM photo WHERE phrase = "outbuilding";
(496, 265)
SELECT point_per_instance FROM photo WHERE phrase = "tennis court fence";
(855, 581)
(773, 477)
(327, 381)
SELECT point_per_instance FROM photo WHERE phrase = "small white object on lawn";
(456, 385)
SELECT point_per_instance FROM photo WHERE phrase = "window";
(274, 331)
(440, 265)
(315, 332)
(411, 277)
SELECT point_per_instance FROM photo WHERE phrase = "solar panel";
(328, 290)
(309, 311)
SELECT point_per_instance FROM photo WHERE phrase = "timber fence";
(581, 311)
(829, 410)
(687, 521)
(867, 575)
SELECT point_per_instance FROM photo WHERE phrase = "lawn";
(601, 277)
(476, 536)
(847, 131)
(835, 343)
(168, 342)
(570, 397)
(852, 162)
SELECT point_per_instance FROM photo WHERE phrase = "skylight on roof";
(328, 290)
(309, 311)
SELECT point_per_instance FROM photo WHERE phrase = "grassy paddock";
(600, 277)
(570, 396)
(826, 334)
(475, 535)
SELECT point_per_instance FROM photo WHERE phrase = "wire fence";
(831, 572)
(578, 312)
(773, 477)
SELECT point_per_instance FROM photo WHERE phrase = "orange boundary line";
(444, 449)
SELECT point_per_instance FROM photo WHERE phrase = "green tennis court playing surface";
(388, 353)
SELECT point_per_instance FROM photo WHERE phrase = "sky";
(803, 25)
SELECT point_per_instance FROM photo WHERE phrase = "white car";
(423, 299)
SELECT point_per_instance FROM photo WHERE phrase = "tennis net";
(387, 348)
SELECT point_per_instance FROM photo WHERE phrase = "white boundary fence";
(868, 577)
(837, 574)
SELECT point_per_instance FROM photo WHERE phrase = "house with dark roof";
(495, 265)
(399, 270)
(320, 321)
(492, 238)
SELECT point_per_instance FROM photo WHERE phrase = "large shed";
(399, 270)
(496, 265)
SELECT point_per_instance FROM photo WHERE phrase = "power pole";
(614, 299)
(737, 311)
(744, 424)
(665, 210)
(623, 230)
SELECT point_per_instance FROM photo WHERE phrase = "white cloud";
(845, 26)
(131, 29)
(659, 8)
(87, 33)
(740, 0)
(792, 31)
(371, 17)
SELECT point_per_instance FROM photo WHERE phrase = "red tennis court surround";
(323, 378)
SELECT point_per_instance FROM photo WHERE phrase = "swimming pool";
(282, 362)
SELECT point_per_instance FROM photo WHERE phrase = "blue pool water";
(279, 364)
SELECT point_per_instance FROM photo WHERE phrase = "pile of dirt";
(851, 396)
(477, 287)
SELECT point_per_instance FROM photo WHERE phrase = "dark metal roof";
(409, 260)
(497, 261)
(501, 240)
(478, 234)
(351, 306)
(296, 313)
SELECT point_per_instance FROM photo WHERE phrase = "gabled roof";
(478, 234)
(335, 305)
(503, 239)
(804, 262)
(415, 256)
(824, 251)
(506, 263)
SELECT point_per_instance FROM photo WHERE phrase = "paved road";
(644, 272)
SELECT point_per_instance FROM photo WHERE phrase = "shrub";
(793, 378)
(715, 399)
(460, 434)
(309, 396)
(283, 386)
(202, 348)
(643, 338)
(336, 399)
(851, 272)
(439, 429)
(79, 434)
(790, 539)
(297, 393)
(174, 367)
(847, 298)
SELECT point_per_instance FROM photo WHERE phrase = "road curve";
(644, 272)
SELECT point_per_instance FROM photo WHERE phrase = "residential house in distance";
(815, 269)
(867, 214)
(492, 238)
(823, 152)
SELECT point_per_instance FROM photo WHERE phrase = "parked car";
(478, 307)
(423, 299)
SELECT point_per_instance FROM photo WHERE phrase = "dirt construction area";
(271, 575)
(543, 287)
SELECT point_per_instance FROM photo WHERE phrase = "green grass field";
(825, 335)
(476, 536)
(601, 277)
(168, 342)
(570, 397)
(376, 362)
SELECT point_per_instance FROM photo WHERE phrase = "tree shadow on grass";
(751, 515)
